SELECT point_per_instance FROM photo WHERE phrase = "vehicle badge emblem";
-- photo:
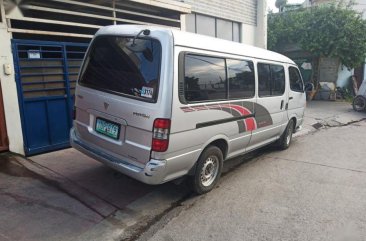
(106, 105)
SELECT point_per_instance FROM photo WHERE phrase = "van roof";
(198, 41)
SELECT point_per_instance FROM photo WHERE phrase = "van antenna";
(144, 31)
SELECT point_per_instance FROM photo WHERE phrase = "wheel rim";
(209, 171)
(289, 134)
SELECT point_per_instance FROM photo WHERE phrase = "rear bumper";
(154, 172)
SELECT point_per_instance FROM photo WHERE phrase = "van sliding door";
(270, 111)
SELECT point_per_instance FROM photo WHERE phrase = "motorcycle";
(359, 102)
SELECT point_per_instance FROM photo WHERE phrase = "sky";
(271, 4)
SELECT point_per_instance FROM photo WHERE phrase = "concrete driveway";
(65, 195)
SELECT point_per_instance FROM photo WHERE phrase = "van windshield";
(122, 66)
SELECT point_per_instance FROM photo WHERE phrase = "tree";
(280, 4)
(324, 31)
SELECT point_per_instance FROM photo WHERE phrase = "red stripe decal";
(250, 122)
(200, 107)
(187, 109)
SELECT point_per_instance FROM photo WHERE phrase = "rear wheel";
(208, 170)
(286, 138)
(359, 103)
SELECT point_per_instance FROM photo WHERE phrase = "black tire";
(285, 140)
(359, 103)
(209, 163)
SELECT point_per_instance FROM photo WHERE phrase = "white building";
(43, 42)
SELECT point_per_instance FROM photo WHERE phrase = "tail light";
(160, 139)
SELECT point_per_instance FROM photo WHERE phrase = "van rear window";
(123, 66)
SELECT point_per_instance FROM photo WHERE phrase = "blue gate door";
(46, 74)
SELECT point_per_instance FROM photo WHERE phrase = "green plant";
(334, 30)
(347, 93)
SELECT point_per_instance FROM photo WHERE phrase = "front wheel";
(359, 103)
(285, 139)
(208, 170)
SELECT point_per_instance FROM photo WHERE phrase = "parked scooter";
(359, 102)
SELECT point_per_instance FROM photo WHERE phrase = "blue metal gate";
(46, 74)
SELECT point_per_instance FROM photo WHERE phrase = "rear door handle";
(282, 101)
(290, 98)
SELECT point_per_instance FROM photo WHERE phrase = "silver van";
(157, 104)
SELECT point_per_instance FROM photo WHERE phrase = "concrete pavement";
(315, 190)
(65, 195)
(325, 114)
(34, 208)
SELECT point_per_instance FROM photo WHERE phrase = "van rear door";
(117, 97)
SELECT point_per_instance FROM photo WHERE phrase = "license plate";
(107, 128)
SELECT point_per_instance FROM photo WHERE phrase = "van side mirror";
(309, 87)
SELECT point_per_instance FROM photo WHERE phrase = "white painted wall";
(256, 35)
(261, 31)
(251, 14)
(343, 76)
(248, 34)
(242, 11)
(10, 96)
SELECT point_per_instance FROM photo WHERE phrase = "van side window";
(241, 78)
(264, 80)
(204, 78)
(296, 83)
(278, 79)
(271, 80)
